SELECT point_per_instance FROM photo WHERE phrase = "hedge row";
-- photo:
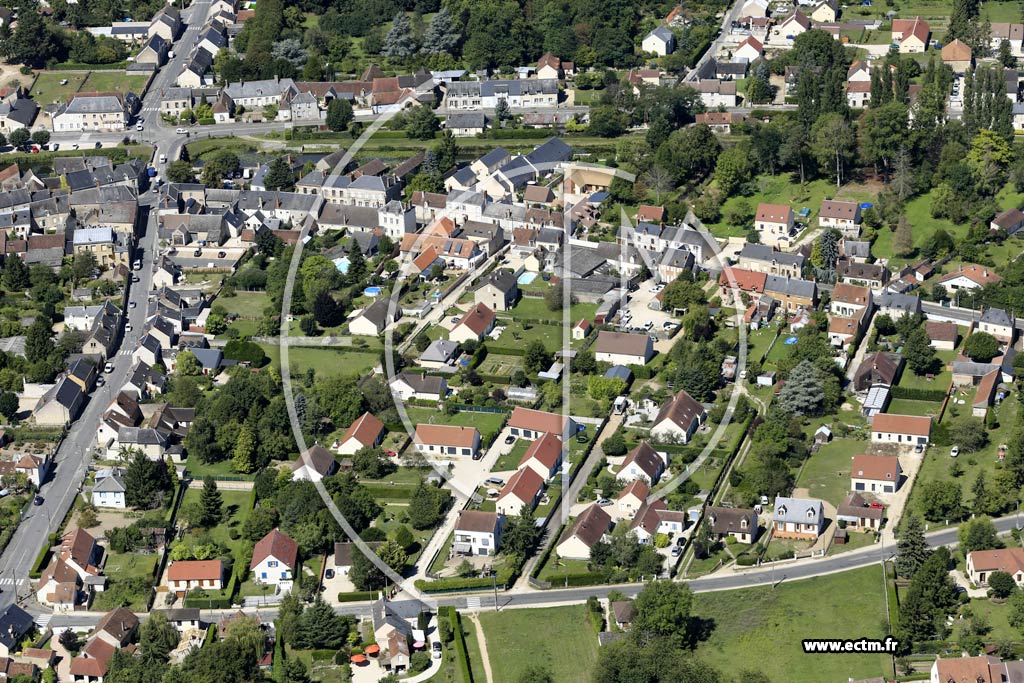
(519, 133)
(42, 558)
(915, 394)
(504, 579)
(506, 351)
(460, 645)
(356, 596)
(81, 66)
(207, 602)
(572, 579)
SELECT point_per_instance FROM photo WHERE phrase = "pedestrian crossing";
(43, 620)
(473, 603)
(125, 352)
(10, 582)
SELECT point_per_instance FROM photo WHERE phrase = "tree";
(978, 534)
(883, 130)
(536, 358)
(319, 627)
(903, 238)
(521, 533)
(187, 365)
(663, 611)
(733, 168)
(759, 90)
(981, 347)
(614, 445)
(535, 673)
(19, 137)
(38, 340)
(911, 548)
(212, 503)
(919, 352)
(201, 442)
(15, 276)
(41, 137)
(689, 153)
(8, 404)
(833, 144)
(1001, 584)
(969, 434)
(367, 462)
(279, 176)
(940, 500)
(339, 114)
(243, 457)
(1005, 55)
(607, 122)
(146, 481)
(180, 171)
(326, 310)
(442, 35)
(803, 393)
(426, 506)
(502, 112)
(399, 43)
(157, 637)
(989, 160)
(421, 123)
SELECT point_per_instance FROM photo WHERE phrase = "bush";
(357, 596)
(746, 560)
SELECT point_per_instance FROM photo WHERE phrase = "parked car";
(676, 551)
(510, 439)
(38, 500)
(100, 381)
(222, 254)
(435, 647)
(109, 367)
(181, 131)
(954, 451)
(478, 455)
(876, 505)
(131, 303)
(604, 502)
(329, 574)
(494, 481)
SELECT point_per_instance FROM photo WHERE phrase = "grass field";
(113, 81)
(510, 460)
(330, 362)
(559, 638)
(761, 628)
(485, 422)
(901, 406)
(537, 309)
(497, 364)
(48, 89)
(827, 473)
(199, 148)
(244, 304)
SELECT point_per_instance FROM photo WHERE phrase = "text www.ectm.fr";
(857, 645)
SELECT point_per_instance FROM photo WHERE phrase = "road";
(732, 15)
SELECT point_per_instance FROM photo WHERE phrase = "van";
(494, 481)
(163, 158)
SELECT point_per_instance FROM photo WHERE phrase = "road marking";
(43, 620)
(472, 603)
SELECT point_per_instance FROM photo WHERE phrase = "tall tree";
(157, 637)
(339, 114)
(663, 612)
(399, 43)
(833, 144)
(803, 394)
(212, 503)
(442, 35)
(911, 548)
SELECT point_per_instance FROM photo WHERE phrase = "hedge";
(571, 579)
(277, 665)
(207, 602)
(81, 66)
(506, 351)
(915, 394)
(505, 578)
(746, 560)
(356, 596)
(42, 558)
(519, 133)
(460, 645)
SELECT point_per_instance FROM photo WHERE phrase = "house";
(343, 551)
(824, 12)
(117, 627)
(446, 440)
(314, 464)
(498, 291)
(898, 305)
(850, 300)
(622, 348)
(740, 523)
(474, 325)
(15, 624)
(530, 424)
(543, 456)
(655, 518)
(661, 41)
(275, 558)
(60, 405)
(466, 124)
(943, 336)
(844, 216)
(798, 518)
(878, 369)
(774, 224)
(59, 586)
(421, 387)
(477, 532)
(642, 463)
(719, 122)
(678, 419)
(970, 276)
(981, 669)
(858, 96)
(750, 49)
(92, 663)
(186, 575)
(998, 323)
(759, 258)
(785, 32)
(904, 430)
(550, 66)
(581, 329)
(365, 432)
(79, 550)
(586, 531)
(92, 112)
(109, 490)
(440, 353)
(957, 55)
(981, 564)
(1009, 221)
(871, 275)
(911, 35)
(715, 92)
(858, 515)
(875, 473)
(522, 490)
(632, 498)
(985, 393)
(623, 612)
(372, 320)
(183, 618)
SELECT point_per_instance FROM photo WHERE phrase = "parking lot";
(638, 314)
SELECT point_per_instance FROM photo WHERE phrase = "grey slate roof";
(997, 316)
(798, 510)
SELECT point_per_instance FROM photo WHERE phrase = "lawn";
(937, 463)
(537, 309)
(48, 89)
(217, 470)
(762, 629)
(485, 422)
(758, 341)
(113, 81)
(901, 406)
(559, 637)
(200, 148)
(236, 510)
(939, 381)
(516, 335)
(510, 461)
(121, 567)
(244, 304)
(498, 364)
(329, 362)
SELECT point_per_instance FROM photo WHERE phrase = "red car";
(390, 454)
(876, 505)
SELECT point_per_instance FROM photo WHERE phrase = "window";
(272, 563)
(263, 575)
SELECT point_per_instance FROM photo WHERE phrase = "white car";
(954, 451)
(127, 327)
(109, 367)
(181, 131)
(139, 127)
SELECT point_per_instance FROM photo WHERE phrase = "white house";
(622, 348)
(588, 529)
(750, 49)
(875, 473)
(372, 320)
(678, 419)
(655, 518)
(661, 41)
(477, 322)
(109, 490)
(543, 456)
(315, 464)
(774, 224)
(522, 490)
(186, 575)
(366, 432)
(409, 385)
(446, 440)
(478, 532)
(642, 463)
(903, 430)
(632, 498)
(981, 564)
(275, 558)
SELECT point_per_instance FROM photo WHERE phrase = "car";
(435, 647)
(681, 541)
(329, 574)
(455, 321)
(163, 158)
(919, 448)
(604, 502)
(510, 439)
(181, 131)
(38, 500)
(137, 265)
(954, 451)
(63, 81)
(100, 381)
(135, 278)
(131, 303)
(478, 455)
(54, 146)
(668, 324)
(876, 505)
(127, 327)
(74, 145)
(494, 481)
(222, 254)
(676, 551)
(649, 324)
(197, 253)
(139, 127)
(109, 367)
(98, 145)
(156, 188)
(743, 374)
(390, 453)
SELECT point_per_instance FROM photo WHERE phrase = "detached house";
(522, 490)
(275, 558)
(186, 575)
(373, 319)
(981, 564)
(903, 430)
(911, 35)
(477, 532)
(875, 473)
(998, 323)
(850, 300)
(844, 216)
(739, 523)
(642, 463)
(621, 348)
(969, 276)
(655, 518)
(799, 518)
(314, 464)
(498, 291)
(446, 440)
(409, 385)
(678, 419)
(366, 432)
(584, 533)
(774, 224)
(474, 325)
(530, 424)
(543, 456)
(661, 41)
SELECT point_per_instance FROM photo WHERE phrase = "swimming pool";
(341, 264)
(527, 278)
(790, 341)
(373, 291)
